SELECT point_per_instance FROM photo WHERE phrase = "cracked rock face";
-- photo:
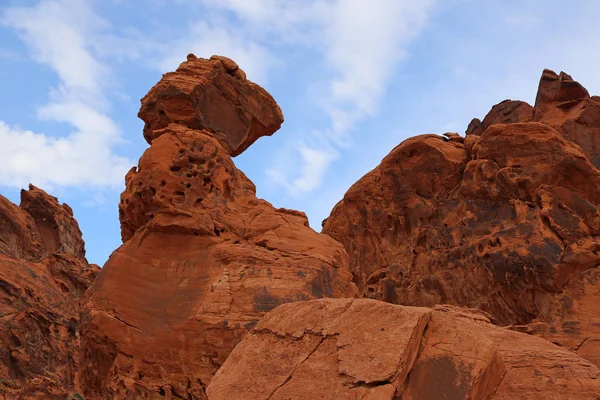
(505, 220)
(334, 348)
(43, 275)
(203, 258)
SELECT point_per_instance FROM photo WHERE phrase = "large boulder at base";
(367, 349)
(43, 275)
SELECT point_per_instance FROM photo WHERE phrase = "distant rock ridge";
(43, 275)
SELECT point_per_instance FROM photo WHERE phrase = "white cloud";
(205, 40)
(58, 33)
(360, 42)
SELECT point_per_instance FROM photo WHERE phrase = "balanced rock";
(367, 349)
(43, 275)
(203, 258)
(213, 95)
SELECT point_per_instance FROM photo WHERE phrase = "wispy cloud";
(58, 34)
(205, 39)
(360, 43)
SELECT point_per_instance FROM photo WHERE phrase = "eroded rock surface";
(203, 258)
(336, 348)
(505, 221)
(43, 275)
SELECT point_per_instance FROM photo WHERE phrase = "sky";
(354, 78)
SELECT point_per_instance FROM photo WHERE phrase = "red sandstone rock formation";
(203, 259)
(336, 348)
(506, 221)
(43, 274)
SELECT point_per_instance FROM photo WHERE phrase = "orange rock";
(203, 260)
(566, 105)
(213, 95)
(335, 348)
(43, 274)
(506, 221)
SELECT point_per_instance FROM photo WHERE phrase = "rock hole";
(189, 185)
(181, 151)
(217, 232)
(140, 375)
(206, 180)
(64, 288)
(162, 112)
(196, 159)
(211, 164)
(175, 168)
(198, 201)
(178, 193)
(163, 183)
(153, 190)
(161, 391)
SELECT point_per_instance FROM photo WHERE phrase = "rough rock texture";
(43, 274)
(336, 349)
(506, 221)
(203, 259)
(567, 106)
(213, 95)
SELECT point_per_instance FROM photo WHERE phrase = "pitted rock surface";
(506, 221)
(203, 260)
(43, 275)
(335, 348)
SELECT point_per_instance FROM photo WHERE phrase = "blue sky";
(353, 77)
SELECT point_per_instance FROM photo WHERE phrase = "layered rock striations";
(505, 220)
(43, 275)
(367, 349)
(203, 258)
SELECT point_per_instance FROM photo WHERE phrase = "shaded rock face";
(43, 275)
(203, 258)
(334, 348)
(505, 221)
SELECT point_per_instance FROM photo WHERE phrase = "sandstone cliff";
(43, 274)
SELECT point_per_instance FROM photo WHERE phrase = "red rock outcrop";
(506, 221)
(43, 275)
(335, 348)
(203, 259)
